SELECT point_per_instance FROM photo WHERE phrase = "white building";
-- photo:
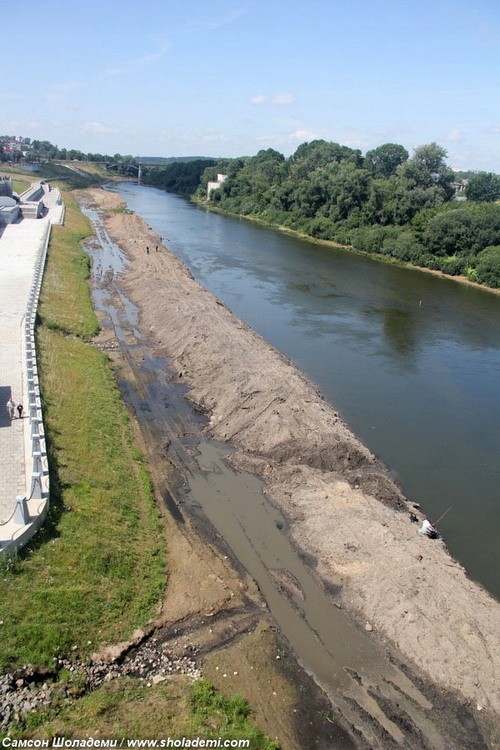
(215, 185)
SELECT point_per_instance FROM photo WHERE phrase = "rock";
(157, 678)
(149, 660)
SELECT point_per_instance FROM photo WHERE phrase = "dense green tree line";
(181, 177)
(385, 202)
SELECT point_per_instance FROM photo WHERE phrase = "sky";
(226, 78)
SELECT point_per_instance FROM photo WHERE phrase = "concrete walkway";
(21, 244)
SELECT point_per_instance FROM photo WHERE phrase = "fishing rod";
(441, 517)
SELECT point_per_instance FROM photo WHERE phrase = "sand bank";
(343, 508)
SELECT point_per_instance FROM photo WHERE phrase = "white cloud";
(231, 15)
(151, 56)
(454, 136)
(139, 62)
(283, 99)
(304, 135)
(96, 127)
(278, 100)
(354, 141)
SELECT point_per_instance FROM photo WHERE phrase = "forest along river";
(384, 703)
(410, 360)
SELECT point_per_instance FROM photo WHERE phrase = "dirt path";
(343, 509)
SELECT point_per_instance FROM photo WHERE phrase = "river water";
(410, 360)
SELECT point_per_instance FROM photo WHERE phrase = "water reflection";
(400, 329)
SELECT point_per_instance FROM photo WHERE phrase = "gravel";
(28, 689)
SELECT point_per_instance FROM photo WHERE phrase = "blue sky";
(230, 77)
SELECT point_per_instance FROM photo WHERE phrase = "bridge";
(140, 163)
(154, 161)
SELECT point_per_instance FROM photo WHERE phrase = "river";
(410, 360)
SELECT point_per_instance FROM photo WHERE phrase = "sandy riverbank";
(343, 508)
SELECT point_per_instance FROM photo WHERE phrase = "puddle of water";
(342, 659)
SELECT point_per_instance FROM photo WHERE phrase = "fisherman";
(428, 529)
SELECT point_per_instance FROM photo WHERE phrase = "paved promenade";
(20, 246)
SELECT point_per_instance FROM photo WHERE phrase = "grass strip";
(65, 304)
(130, 709)
(96, 570)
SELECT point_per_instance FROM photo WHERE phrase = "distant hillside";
(78, 175)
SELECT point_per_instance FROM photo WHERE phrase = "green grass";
(19, 186)
(21, 181)
(97, 568)
(65, 304)
(217, 715)
(127, 708)
(89, 173)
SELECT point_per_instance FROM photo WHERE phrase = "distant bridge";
(143, 162)
(152, 161)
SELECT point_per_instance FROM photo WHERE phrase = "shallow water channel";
(357, 673)
(410, 360)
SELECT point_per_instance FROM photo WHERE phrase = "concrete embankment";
(24, 489)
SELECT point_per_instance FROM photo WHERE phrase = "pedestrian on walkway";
(10, 408)
(20, 409)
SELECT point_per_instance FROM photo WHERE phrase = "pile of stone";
(149, 661)
(27, 690)
(19, 695)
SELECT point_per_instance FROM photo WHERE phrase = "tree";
(424, 181)
(483, 187)
(317, 154)
(463, 231)
(384, 160)
(349, 190)
(488, 266)
(431, 157)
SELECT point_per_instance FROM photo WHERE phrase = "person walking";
(20, 409)
(10, 408)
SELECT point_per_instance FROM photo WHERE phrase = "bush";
(454, 266)
(320, 227)
(488, 266)
(403, 246)
(465, 231)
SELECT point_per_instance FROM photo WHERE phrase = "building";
(214, 185)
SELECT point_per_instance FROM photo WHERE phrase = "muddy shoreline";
(343, 510)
